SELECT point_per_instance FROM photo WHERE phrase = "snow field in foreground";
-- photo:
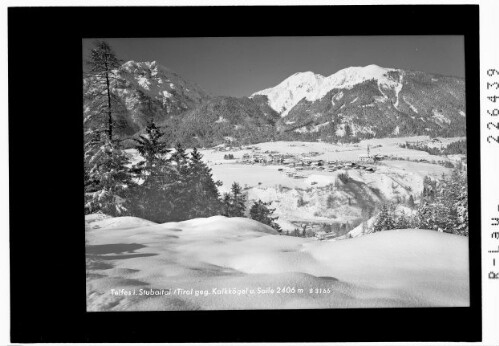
(386, 269)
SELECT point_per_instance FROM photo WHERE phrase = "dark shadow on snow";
(112, 248)
(120, 251)
(328, 278)
(94, 265)
(124, 256)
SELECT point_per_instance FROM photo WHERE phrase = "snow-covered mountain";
(143, 91)
(312, 86)
(161, 84)
(369, 101)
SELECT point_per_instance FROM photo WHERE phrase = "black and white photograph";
(261, 173)
(193, 173)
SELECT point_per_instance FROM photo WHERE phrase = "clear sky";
(240, 66)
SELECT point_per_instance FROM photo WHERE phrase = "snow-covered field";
(396, 178)
(341, 152)
(236, 263)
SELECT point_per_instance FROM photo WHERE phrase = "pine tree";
(410, 203)
(403, 221)
(146, 105)
(151, 147)
(238, 200)
(180, 184)
(226, 205)
(102, 65)
(180, 158)
(202, 191)
(348, 131)
(234, 204)
(108, 179)
(429, 188)
(261, 212)
(456, 195)
(385, 220)
(153, 199)
(426, 216)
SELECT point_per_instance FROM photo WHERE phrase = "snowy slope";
(387, 269)
(371, 101)
(292, 90)
(311, 86)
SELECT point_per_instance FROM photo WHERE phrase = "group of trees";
(234, 202)
(458, 147)
(443, 207)
(261, 212)
(444, 204)
(173, 187)
(299, 233)
(234, 205)
(388, 219)
(166, 184)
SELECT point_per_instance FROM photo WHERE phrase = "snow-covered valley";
(319, 184)
(334, 193)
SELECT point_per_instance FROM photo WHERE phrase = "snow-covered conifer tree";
(261, 212)
(108, 178)
(202, 193)
(234, 204)
(102, 64)
(385, 220)
(153, 198)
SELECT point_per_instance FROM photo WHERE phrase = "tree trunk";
(109, 116)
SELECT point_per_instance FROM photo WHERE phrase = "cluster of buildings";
(300, 163)
(308, 161)
(267, 157)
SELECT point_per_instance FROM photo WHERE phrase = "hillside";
(143, 91)
(366, 102)
(224, 119)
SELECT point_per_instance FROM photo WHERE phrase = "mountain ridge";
(353, 103)
(369, 101)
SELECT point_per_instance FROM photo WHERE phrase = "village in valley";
(317, 169)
